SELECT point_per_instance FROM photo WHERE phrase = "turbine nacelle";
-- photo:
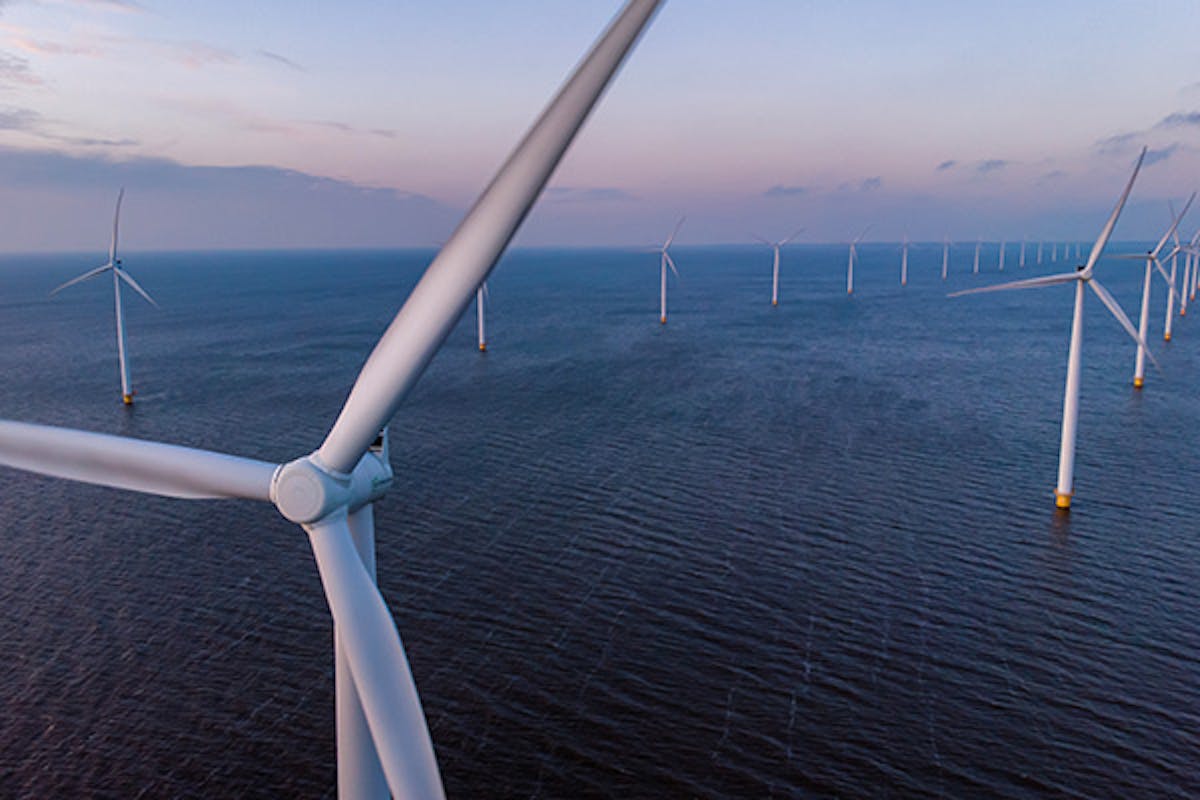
(304, 492)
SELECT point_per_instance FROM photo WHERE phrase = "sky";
(374, 124)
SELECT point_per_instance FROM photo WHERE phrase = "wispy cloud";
(785, 191)
(14, 71)
(945, 165)
(1118, 143)
(1052, 175)
(1161, 154)
(30, 122)
(278, 59)
(342, 127)
(1180, 119)
(576, 194)
(871, 184)
(991, 165)
(47, 48)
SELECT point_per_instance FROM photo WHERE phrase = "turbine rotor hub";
(304, 491)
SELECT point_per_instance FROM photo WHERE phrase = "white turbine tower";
(383, 741)
(978, 245)
(664, 262)
(775, 248)
(1083, 279)
(1152, 262)
(1053, 252)
(1002, 256)
(1167, 326)
(904, 261)
(1040, 252)
(481, 296)
(1194, 251)
(1021, 261)
(1185, 297)
(853, 257)
(114, 265)
(946, 256)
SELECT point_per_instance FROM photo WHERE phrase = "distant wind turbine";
(1053, 252)
(1194, 252)
(904, 261)
(978, 245)
(1167, 325)
(1021, 262)
(1083, 279)
(481, 295)
(776, 247)
(1152, 262)
(114, 264)
(946, 256)
(664, 262)
(1040, 243)
(1002, 255)
(853, 258)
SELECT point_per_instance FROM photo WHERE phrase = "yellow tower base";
(1183, 312)
(483, 347)
(127, 399)
(662, 320)
(1139, 383)
(1166, 337)
(1062, 500)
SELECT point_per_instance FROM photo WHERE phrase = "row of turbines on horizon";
(383, 742)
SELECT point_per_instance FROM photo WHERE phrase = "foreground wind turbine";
(664, 262)
(383, 741)
(480, 296)
(1152, 262)
(853, 258)
(114, 264)
(946, 256)
(775, 248)
(1082, 277)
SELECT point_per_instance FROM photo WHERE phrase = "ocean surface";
(804, 551)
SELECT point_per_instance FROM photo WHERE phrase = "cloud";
(342, 127)
(945, 165)
(1052, 175)
(31, 123)
(990, 165)
(871, 184)
(1180, 119)
(45, 48)
(1118, 143)
(186, 206)
(785, 191)
(574, 194)
(278, 59)
(23, 120)
(1161, 154)
(15, 70)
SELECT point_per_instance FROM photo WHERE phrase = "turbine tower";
(1083, 279)
(383, 742)
(853, 258)
(114, 265)
(481, 295)
(664, 262)
(946, 256)
(775, 248)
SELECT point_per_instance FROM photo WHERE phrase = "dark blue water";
(807, 551)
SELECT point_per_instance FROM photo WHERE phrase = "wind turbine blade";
(442, 294)
(788, 240)
(1115, 307)
(112, 246)
(671, 263)
(133, 464)
(859, 238)
(1102, 239)
(125, 276)
(1174, 227)
(377, 661)
(758, 238)
(1166, 277)
(89, 274)
(1027, 283)
(674, 233)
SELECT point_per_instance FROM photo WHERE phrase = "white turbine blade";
(788, 240)
(1174, 227)
(674, 233)
(112, 247)
(758, 238)
(381, 674)
(671, 263)
(1166, 277)
(1102, 239)
(859, 238)
(133, 464)
(442, 294)
(125, 276)
(1027, 283)
(1119, 313)
(89, 274)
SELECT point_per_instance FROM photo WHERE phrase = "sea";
(758, 552)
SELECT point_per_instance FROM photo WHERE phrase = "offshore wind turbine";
(481, 295)
(775, 248)
(978, 245)
(1040, 243)
(1194, 252)
(1002, 255)
(946, 256)
(1171, 295)
(664, 262)
(1083, 279)
(114, 265)
(1021, 261)
(383, 742)
(904, 261)
(853, 257)
(1152, 262)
